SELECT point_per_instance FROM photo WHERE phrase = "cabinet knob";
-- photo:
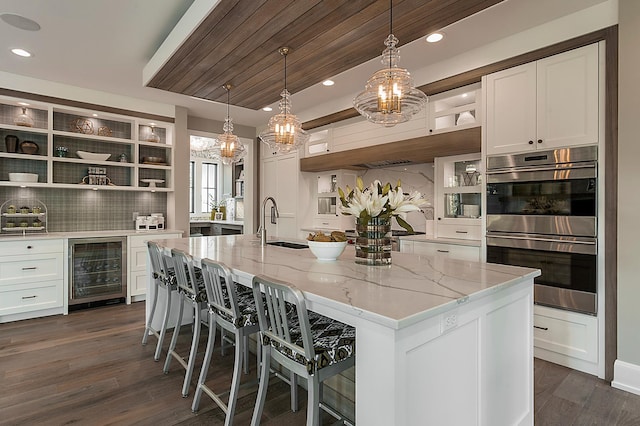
(430, 130)
(539, 140)
(530, 142)
(439, 218)
(29, 247)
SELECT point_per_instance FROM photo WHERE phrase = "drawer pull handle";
(541, 328)
(462, 232)
(29, 247)
(29, 297)
(30, 268)
(443, 251)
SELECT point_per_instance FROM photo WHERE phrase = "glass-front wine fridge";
(97, 267)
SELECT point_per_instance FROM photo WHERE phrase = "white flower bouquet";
(377, 201)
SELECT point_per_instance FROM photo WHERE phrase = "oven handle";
(569, 166)
(543, 244)
(572, 171)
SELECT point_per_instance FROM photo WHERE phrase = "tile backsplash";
(86, 210)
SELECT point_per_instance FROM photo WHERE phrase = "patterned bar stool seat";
(191, 289)
(233, 308)
(163, 280)
(308, 344)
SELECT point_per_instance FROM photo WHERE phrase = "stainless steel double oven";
(542, 213)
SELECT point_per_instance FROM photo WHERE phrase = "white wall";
(628, 204)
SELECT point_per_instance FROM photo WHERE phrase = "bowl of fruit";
(327, 247)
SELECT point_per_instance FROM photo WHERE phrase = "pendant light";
(227, 147)
(389, 96)
(284, 132)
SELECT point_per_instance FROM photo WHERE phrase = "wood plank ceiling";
(239, 41)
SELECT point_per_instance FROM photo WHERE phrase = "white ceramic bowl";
(93, 156)
(327, 251)
(23, 177)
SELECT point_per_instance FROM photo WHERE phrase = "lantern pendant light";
(227, 147)
(389, 96)
(284, 132)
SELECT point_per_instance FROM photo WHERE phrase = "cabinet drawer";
(329, 222)
(31, 268)
(462, 232)
(566, 333)
(141, 240)
(46, 295)
(138, 259)
(23, 247)
(447, 250)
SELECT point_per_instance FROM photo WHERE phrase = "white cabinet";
(319, 142)
(441, 249)
(327, 200)
(279, 179)
(566, 338)
(137, 263)
(139, 154)
(551, 103)
(31, 279)
(458, 197)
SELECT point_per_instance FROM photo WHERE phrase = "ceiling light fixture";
(284, 132)
(227, 147)
(389, 96)
(267, 109)
(434, 37)
(23, 103)
(328, 83)
(21, 52)
(20, 22)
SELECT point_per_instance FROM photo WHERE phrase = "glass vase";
(373, 243)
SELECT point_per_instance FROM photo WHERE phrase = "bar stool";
(233, 308)
(308, 344)
(191, 290)
(163, 279)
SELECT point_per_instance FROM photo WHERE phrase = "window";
(209, 184)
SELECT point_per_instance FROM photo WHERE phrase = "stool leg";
(293, 380)
(245, 346)
(194, 350)
(211, 341)
(174, 338)
(235, 382)
(152, 313)
(165, 323)
(262, 388)
(313, 402)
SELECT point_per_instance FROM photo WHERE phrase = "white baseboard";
(626, 377)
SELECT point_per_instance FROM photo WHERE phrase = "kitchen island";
(438, 341)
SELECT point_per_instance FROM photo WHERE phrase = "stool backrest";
(217, 282)
(154, 257)
(276, 316)
(185, 273)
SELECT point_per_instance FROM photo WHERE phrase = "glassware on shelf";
(23, 119)
(153, 136)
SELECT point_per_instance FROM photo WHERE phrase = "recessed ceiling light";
(435, 37)
(94, 114)
(267, 109)
(23, 103)
(328, 83)
(21, 52)
(152, 124)
(464, 95)
(20, 22)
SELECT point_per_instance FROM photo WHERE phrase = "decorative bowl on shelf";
(327, 251)
(93, 156)
(154, 160)
(29, 147)
(23, 177)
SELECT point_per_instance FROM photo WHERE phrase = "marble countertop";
(16, 236)
(413, 288)
(432, 239)
(221, 222)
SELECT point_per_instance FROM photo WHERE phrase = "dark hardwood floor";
(89, 368)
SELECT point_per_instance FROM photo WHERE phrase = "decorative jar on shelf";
(23, 119)
(11, 143)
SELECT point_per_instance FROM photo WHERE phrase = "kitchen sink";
(287, 244)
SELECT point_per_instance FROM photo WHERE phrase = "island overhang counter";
(438, 341)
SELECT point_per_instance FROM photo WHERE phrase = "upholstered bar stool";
(163, 279)
(233, 308)
(191, 290)
(308, 344)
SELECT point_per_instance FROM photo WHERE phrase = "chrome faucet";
(262, 231)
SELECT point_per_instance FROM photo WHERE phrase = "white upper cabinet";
(455, 109)
(551, 103)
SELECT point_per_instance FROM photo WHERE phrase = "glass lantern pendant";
(284, 132)
(227, 147)
(389, 96)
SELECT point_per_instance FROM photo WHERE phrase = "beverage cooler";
(97, 267)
